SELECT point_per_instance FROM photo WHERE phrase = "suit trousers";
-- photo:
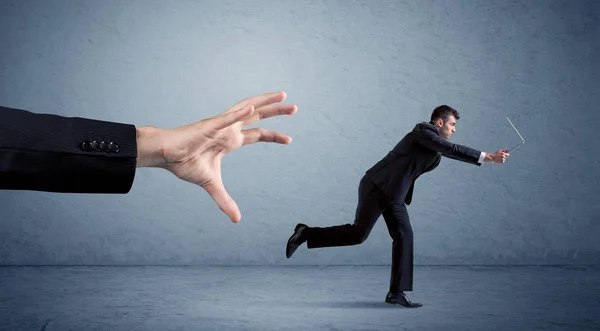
(372, 203)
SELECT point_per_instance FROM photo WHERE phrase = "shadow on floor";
(354, 304)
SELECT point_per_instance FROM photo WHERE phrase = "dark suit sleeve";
(430, 139)
(44, 152)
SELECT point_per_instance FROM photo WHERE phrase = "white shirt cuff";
(481, 158)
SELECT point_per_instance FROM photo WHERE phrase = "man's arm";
(59, 154)
(483, 158)
(44, 152)
(430, 139)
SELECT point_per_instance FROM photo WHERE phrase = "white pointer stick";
(517, 131)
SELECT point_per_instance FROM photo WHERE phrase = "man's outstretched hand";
(193, 152)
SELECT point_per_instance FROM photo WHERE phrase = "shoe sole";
(399, 304)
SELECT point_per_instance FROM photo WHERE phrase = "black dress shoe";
(295, 240)
(401, 299)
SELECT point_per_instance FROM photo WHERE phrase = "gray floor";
(296, 298)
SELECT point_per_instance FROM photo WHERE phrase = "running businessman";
(387, 188)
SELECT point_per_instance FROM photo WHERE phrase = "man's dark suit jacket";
(418, 152)
(52, 153)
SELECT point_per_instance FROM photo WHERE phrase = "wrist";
(149, 146)
(489, 157)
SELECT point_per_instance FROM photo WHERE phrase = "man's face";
(447, 128)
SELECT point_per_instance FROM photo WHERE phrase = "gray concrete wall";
(363, 73)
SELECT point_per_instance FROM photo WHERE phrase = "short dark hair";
(443, 112)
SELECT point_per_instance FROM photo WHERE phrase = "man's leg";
(371, 202)
(398, 224)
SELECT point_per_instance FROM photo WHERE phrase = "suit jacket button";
(86, 145)
(104, 146)
(113, 147)
(96, 145)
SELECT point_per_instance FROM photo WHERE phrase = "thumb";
(217, 192)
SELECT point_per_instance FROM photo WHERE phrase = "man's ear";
(439, 123)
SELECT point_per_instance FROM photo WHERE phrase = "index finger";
(270, 111)
(262, 100)
(227, 119)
